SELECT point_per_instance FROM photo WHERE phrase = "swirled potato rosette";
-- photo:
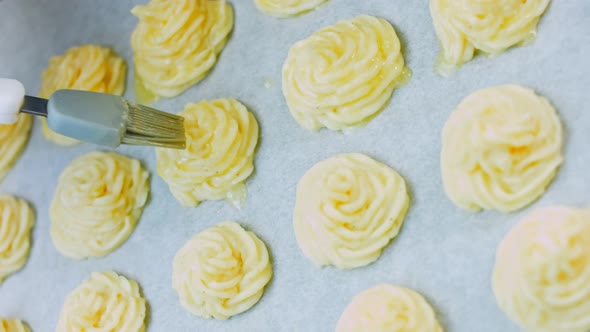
(221, 272)
(176, 43)
(221, 138)
(13, 139)
(13, 325)
(98, 200)
(541, 278)
(282, 8)
(490, 26)
(348, 208)
(501, 148)
(16, 221)
(343, 75)
(89, 68)
(388, 308)
(105, 302)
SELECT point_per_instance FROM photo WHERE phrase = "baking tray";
(443, 252)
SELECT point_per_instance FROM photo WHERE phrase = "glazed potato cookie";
(388, 308)
(343, 75)
(221, 271)
(348, 209)
(501, 148)
(541, 278)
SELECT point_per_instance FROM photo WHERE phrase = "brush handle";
(12, 94)
(91, 117)
(13, 101)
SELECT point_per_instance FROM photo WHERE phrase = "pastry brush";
(98, 118)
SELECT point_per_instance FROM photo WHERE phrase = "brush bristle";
(149, 126)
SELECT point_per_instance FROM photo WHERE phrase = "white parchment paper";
(443, 252)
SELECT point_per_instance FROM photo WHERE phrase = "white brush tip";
(12, 94)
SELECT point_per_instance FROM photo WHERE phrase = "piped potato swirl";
(105, 302)
(501, 148)
(16, 221)
(388, 308)
(343, 75)
(13, 325)
(491, 26)
(347, 210)
(221, 138)
(176, 43)
(97, 203)
(13, 139)
(541, 277)
(221, 272)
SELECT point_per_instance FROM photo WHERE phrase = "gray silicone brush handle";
(88, 116)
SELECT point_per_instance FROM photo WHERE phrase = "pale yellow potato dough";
(388, 308)
(176, 43)
(501, 148)
(89, 68)
(221, 272)
(286, 8)
(13, 325)
(347, 210)
(541, 278)
(342, 76)
(13, 139)
(97, 203)
(105, 302)
(490, 26)
(16, 221)
(221, 138)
